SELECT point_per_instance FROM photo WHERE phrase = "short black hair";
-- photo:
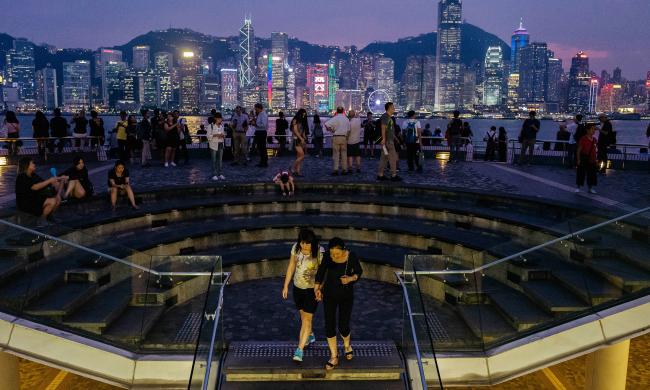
(387, 105)
(579, 117)
(410, 114)
(456, 114)
(336, 242)
(532, 113)
(259, 105)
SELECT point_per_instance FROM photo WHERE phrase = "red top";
(588, 147)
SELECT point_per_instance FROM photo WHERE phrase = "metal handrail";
(100, 254)
(206, 378)
(418, 355)
(535, 248)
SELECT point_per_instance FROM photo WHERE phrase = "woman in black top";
(335, 279)
(97, 129)
(79, 185)
(41, 127)
(34, 195)
(118, 182)
(503, 144)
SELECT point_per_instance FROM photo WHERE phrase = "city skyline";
(565, 33)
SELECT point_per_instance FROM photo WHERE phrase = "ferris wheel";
(377, 100)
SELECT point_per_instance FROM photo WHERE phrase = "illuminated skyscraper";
(318, 87)
(112, 82)
(512, 101)
(332, 86)
(612, 97)
(419, 82)
(448, 49)
(163, 64)
(141, 57)
(76, 85)
(46, 94)
(148, 89)
(229, 86)
(21, 69)
(189, 88)
(555, 72)
(647, 90)
(247, 82)
(211, 93)
(579, 83)
(279, 66)
(493, 79)
(533, 73)
(520, 39)
(385, 75)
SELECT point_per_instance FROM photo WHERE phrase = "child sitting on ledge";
(285, 181)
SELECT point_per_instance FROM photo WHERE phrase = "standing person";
(298, 124)
(492, 139)
(80, 130)
(562, 135)
(453, 135)
(58, 129)
(12, 128)
(335, 279)
(171, 140)
(577, 129)
(426, 135)
(605, 136)
(318, 137)
(503, 144)
(121, 136)
(261, 124)
(306, 257)
(388, 152)
(239, 124)
(354, 142)
(145, 136)
(587, 160)
(413, 140)
(339, 126)
(369, 135)
(132, 137)
(34, 195)
(216, 135)
(184, 138)
(467, 133)
(96, 130)
(118, 183)
(528, 138)
(281, 127)
(41, 128)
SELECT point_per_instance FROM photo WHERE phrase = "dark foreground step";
(62, 300)
(553, 297)
(627, 276)
(485, 321)
(102, 309)
(258, 361)
(134, 324)
(312, 385)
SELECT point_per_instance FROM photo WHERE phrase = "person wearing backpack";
(413, 140)
(453, 135)
(491, 138)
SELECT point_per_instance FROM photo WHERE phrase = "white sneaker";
(222, 177)
(215, 178)
(577, 190)
(592, 191)
(173, 164)
(166, 165)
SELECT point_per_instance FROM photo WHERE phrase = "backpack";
(411, 133)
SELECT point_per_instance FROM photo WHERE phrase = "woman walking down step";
(306, 256)
(336, 276)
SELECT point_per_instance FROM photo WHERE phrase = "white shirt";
(571, 128)
(214, 134)
(339, 125)
(355, 131)
(262, 122)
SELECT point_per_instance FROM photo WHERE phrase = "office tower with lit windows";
(332, 86)
(647, 91)
(512, 101)
(76, 85)
(141, 57)
(211, 93)
(350, 99)
(470, 89)
(418, 82)
(493, 77)
(366, 72)
(229, 89)
(189, 81)
(611, 98)
(520, 39)
(148, 89)
(128, 80)
(279, 65)
(247, 64)
(448, 50)
(20, 69)
(46, 92)
(385, 75)
(103, 57)
(533, 72)
(318, 87)
(555, 72)
(112, 82)
(579, 83)
(163, 65)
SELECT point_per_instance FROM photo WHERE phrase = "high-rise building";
(163, 64)
(350, 99)
(332, 86)
(264, 70)
(611, 98)
(384, 68)
(448, 49)
(418, 82)
(520, 39)
(113, 82)
(493, 79)
(366, 72)
(469, 93)
(291, 89)
(593, 95)
(148, 89)
(46, 93)
(512, 101)
(318, 87)
(533, 71)
(555, 71)
(76, 85)
(279, 65)
(141, 57)
(189, 86)
(247, 64)
(579, 83)
(617, 76)
(128, 80)
(103, 57)
(647, 90)
(21, 69)
(211, 93)
(229, 86)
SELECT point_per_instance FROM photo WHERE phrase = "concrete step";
(627, 276)
(313, 385)
(520, 312)
(63, 299)
(589, 286)
(102, 309)
(21, 289)
(553, 297)
(255, 361)
(485, 321)
(133, 325)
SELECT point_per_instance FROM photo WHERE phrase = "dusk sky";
(613, 32)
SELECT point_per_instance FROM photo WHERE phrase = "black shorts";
(305, 299)
(354, 150)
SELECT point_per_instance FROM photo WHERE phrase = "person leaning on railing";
(58, 129)
(41, 128)
(12, 129)
(34, 195)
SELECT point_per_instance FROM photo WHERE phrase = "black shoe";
(382, 178)
(395, 178)
(335, 173)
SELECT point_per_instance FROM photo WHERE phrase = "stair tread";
(587, 282)
(103, 306)
(62, 299)
(619, 268)
(553, 296)
(518, 307)
(134, 323)
(485, 321)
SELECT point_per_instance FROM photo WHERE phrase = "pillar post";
(607, 367)
(9, 374)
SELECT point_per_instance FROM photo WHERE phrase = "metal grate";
(189, 332)
(438, 331)
(318, 349)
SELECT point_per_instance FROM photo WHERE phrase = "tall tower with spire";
(520, 39)
(246, 67)
(448, 49)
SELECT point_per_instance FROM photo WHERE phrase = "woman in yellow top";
(306, 256)
(120, 130)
